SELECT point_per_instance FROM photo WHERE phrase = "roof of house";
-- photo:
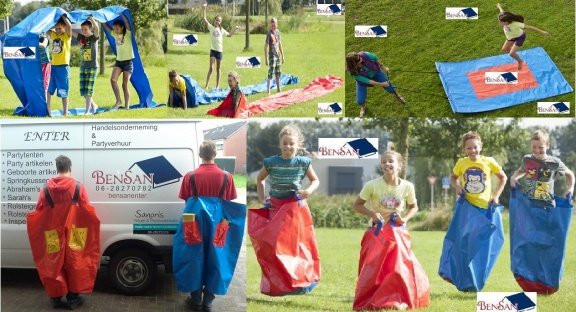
(223, 132)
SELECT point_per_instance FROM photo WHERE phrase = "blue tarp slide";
(196, 95)
(538, 242)
(211, 259)
(25, 74)
(546, 81)
(472, 244)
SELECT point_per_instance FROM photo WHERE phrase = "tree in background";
(6, 7)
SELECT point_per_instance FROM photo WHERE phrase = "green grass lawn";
(239, 181)
(339, 252)
(309, 54)
(419, 35)
(103, 95)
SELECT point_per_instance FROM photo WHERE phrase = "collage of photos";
(287, 155)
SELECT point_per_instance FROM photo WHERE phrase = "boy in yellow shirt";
(475, 171)
(177, 91)
(61, 38)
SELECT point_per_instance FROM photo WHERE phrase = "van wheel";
(131, 271)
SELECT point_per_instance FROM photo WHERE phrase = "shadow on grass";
(297, 306)
(7, 112)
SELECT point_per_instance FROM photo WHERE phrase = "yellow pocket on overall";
(78, 238)
(52, 241)
(192, 233)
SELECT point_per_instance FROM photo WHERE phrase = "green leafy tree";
(6, 7)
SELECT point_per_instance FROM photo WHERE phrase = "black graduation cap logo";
(362, 147)
(469, 12)
(191, 39)
(335, 8)
(561, 107)
(521, 301)
(335, 108)
(27, 52)
(378, 30)
(509, 77)
(254, 61)
(160, 170)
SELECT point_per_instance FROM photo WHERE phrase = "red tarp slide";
(65, 241)
(389, 275)
(285, 245)
(317, 88)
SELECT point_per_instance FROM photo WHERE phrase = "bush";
(435, 220)
(75, 55)
(193, 21)
(335, 211)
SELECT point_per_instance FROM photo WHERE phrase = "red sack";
(65, 243)
(192, 233)
(285, 245)
(389, 275)
(226, 109)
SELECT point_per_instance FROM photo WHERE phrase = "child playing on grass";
(514, 26)
(475, 172)
(216, 45)
(234, 101)
(61, 38)
(274, 54)
(88, 40)
(176, 91)
(384, 200)
(124, 55)
(288, 214)
(368, 70)
(539, 171)
(45, 62)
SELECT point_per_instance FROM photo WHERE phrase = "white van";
(132, 171)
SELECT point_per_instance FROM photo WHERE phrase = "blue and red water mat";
(468, 92)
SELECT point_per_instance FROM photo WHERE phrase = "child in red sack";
(382, 245)
(235, 104)
(283, 235)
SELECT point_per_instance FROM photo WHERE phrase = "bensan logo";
(461, 13)
(19, 53)
(155, 172)
(370, 31)
(247, 62)
(184, 40)
(330, 109)
(553, 107)
(501, 77)
(328, 9)
(348, 148)
(506, 301)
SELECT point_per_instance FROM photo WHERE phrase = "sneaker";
(206, 308)
(75, 303)
(192, 306)
(57, 303)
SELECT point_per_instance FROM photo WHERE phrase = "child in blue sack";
(124, 59)
(88, 40)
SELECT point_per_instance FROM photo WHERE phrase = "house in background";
(344, 176)
(230, 146)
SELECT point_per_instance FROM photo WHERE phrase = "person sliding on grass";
(368, 71)
(176, 91)
(514, 26)
(217, 32)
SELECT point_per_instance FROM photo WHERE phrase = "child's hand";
(303, 194)
(398, 221)
(545, 33)
(498, 5)
(384, 84)
(376, 216)
(496, 200)
(513, 182)
(458, 190)
(205, 4)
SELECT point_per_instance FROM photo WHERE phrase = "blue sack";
(206, 263)
(471, 246)
(538, 242)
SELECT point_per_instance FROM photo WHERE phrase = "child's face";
(539, 148)
(288, 146)
(232, 82)
(273, 25)
(503, 23)
(389, 164)
(59, 29)
(217, 21)
(86, 30)
(472, 147)
(118, 29)
(174, 80)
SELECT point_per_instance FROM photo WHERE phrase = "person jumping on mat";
(368, 70)
(514, 26)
